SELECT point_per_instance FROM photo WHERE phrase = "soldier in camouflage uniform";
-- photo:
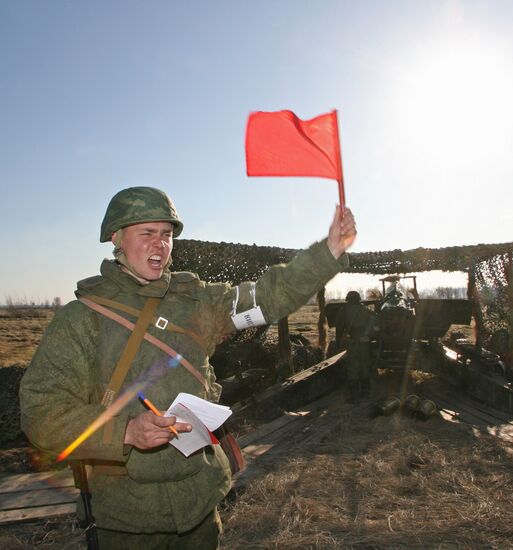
(355, 325)
(146, 494)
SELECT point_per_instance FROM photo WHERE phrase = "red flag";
(281, 144)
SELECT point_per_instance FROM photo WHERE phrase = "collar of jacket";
(112, 271)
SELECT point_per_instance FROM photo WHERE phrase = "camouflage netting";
(493, 281)
(452, 258)
(238, 262)
(228, 262)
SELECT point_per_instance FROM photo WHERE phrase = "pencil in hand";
(154, 409)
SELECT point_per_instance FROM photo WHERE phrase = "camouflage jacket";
(356, 321)
(61, 391)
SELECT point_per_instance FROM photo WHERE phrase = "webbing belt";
(148, 337)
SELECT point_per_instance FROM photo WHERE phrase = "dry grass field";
(345, 480)
(20, 333)
(304, 322)
(351, 481)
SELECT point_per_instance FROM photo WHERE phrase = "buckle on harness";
(161, 323)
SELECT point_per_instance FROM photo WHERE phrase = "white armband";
(250, 318)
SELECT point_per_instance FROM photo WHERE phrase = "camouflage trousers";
(204, 536)
(359, 361)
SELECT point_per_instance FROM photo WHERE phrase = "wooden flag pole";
(340, 178)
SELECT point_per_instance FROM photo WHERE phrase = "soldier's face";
(147, 247)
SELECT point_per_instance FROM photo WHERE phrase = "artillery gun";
(407, 335)
(405, 323)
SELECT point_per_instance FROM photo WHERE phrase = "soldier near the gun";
(145, 494)
(355, 325)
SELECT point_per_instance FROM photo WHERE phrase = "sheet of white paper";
(189, 442)
(211, 414)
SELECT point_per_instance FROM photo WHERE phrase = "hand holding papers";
(203, 416)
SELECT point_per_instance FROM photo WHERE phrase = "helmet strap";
(119, 254)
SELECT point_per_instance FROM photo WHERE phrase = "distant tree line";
(445, 293)
(440, 292)
(23, 304)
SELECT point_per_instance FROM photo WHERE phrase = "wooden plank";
(270, 427)
(501, 415)
(453, 416)
(35, 481)
(480, 416)
(302, 388)
(273, 432)
(265, 437)
(466, 402)
(467, 410)
(43, 497)
(463, 413)
(487, 412)
(460, 414)
(41, 512)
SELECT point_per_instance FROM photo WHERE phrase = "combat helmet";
(353, 297)
(139, 205)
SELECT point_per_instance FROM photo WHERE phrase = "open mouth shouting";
(155, 261)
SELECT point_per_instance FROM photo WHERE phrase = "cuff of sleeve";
(113, 445)
(126, 447)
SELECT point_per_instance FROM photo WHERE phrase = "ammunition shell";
(426, 409)
(388, 406)
(411, 404)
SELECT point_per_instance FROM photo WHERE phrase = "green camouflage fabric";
(139, 205)
(203, 537)
(353, 323)
(61, 391)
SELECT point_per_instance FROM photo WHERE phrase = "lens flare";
(146, 379)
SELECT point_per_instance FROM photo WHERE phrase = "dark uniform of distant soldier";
(146, 494)
(355, 324)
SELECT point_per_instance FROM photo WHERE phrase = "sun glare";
(455, 105)
(459, 93)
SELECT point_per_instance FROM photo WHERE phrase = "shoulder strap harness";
(147, 313)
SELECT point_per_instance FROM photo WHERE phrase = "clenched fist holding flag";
(342, 232)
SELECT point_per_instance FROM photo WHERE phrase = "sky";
(101, 95)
